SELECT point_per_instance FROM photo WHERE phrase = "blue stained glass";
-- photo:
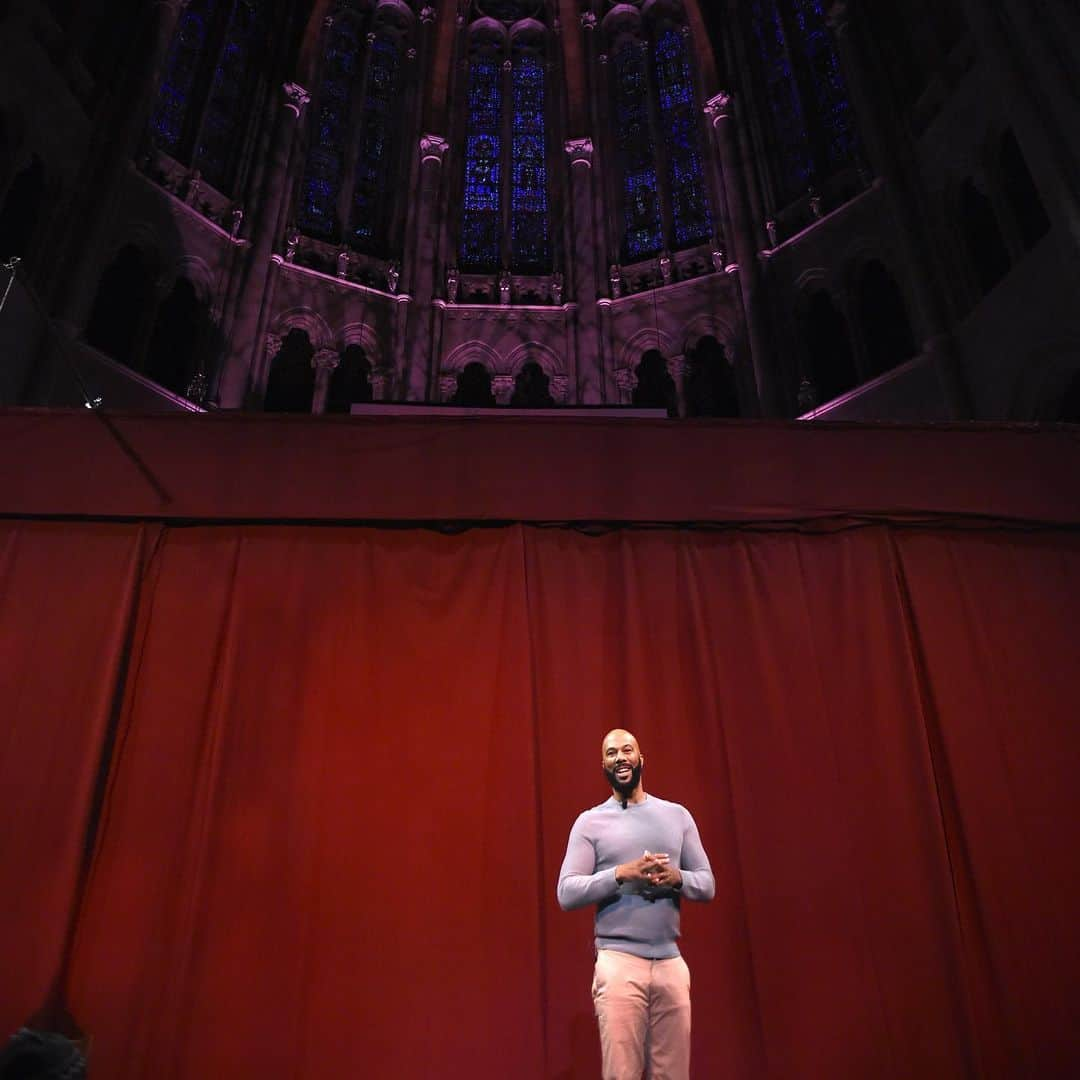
(325, 167)
(785, 107)
(641, 207)
(181, 71)
(830, 90)
(480, 226)
(528, 164)
(220, 134)
(375, 153)
(691, 217)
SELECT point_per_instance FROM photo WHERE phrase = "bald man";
(636, 857)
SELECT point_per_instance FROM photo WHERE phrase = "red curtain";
(346, 761)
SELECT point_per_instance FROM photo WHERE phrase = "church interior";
(399, 394)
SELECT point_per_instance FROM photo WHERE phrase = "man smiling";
(636, 856)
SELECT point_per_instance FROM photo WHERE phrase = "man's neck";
(635, 796)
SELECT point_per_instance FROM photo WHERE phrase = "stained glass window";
(325, 171)
(375, 151)
(480, 231)
(691, 218)
(186, 54)
(792, 143)
(219, 134)
(828, 87)
(529, 197)
(642, 233)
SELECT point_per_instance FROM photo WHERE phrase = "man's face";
(622, 761)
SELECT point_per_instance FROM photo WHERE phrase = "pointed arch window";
(482, 218)
(351, 170)
(808, 118)
(506, 209)
(658, 143)
(210, 76)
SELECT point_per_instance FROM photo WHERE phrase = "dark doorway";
(291, 385)
(351, 382)
(173, 353)
(120, 309)
(474, 387)
(710, 387)
(22, 210)
(655, 387)
(886, 331)
(828, 347)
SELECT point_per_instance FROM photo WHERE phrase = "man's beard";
(624, 787)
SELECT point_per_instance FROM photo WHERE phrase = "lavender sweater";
(633, 917)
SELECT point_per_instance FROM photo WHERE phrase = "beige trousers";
(643, 1011)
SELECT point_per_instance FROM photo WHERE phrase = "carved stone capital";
(296, 97)
(502, 386)
(718, 107)
(447, 385)
(433, 148)
(273, 345)
(580, 151)
(678, 367)
(560, 388)
(325, 360)
(626, 381)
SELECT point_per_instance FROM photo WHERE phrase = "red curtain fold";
(348, 760)
(66, 599)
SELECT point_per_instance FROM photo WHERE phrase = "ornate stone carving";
(678, 368)
(433, 148)
(602, 58)
(580, 151)
(380, 384)
(292, 238)
(447, 385)
(626, 381)
(718, 107)
(410, 54)
(666, 273)
(556, 287)
(192, 187)
(296, 97)
(719, 260)
(325, 360)
(273, 344)
(560, 388)
(393, 274)
(588, 20)
(427, 14)
(502, 386)
(237, 217)
(615, 280)
(197, 388)
(451, 284)
(343, 263)
(505, 282)
(770, 231)
(816, 207)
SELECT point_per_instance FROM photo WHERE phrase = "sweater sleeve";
(697, 876)
(580, 883)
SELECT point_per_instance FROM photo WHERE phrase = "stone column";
(719, 110)
(325, 363)
(420, 365)
(80, 231)
(878, 129)
(583, 267)
(679, 368)
(249, 319)
(502, 386)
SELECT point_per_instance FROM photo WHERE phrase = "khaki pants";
(643, 1011)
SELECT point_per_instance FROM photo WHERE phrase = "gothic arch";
(642, 342)
(707, 325)
(534, 352)
(364, 335)
(302, 318)
(467, 352)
